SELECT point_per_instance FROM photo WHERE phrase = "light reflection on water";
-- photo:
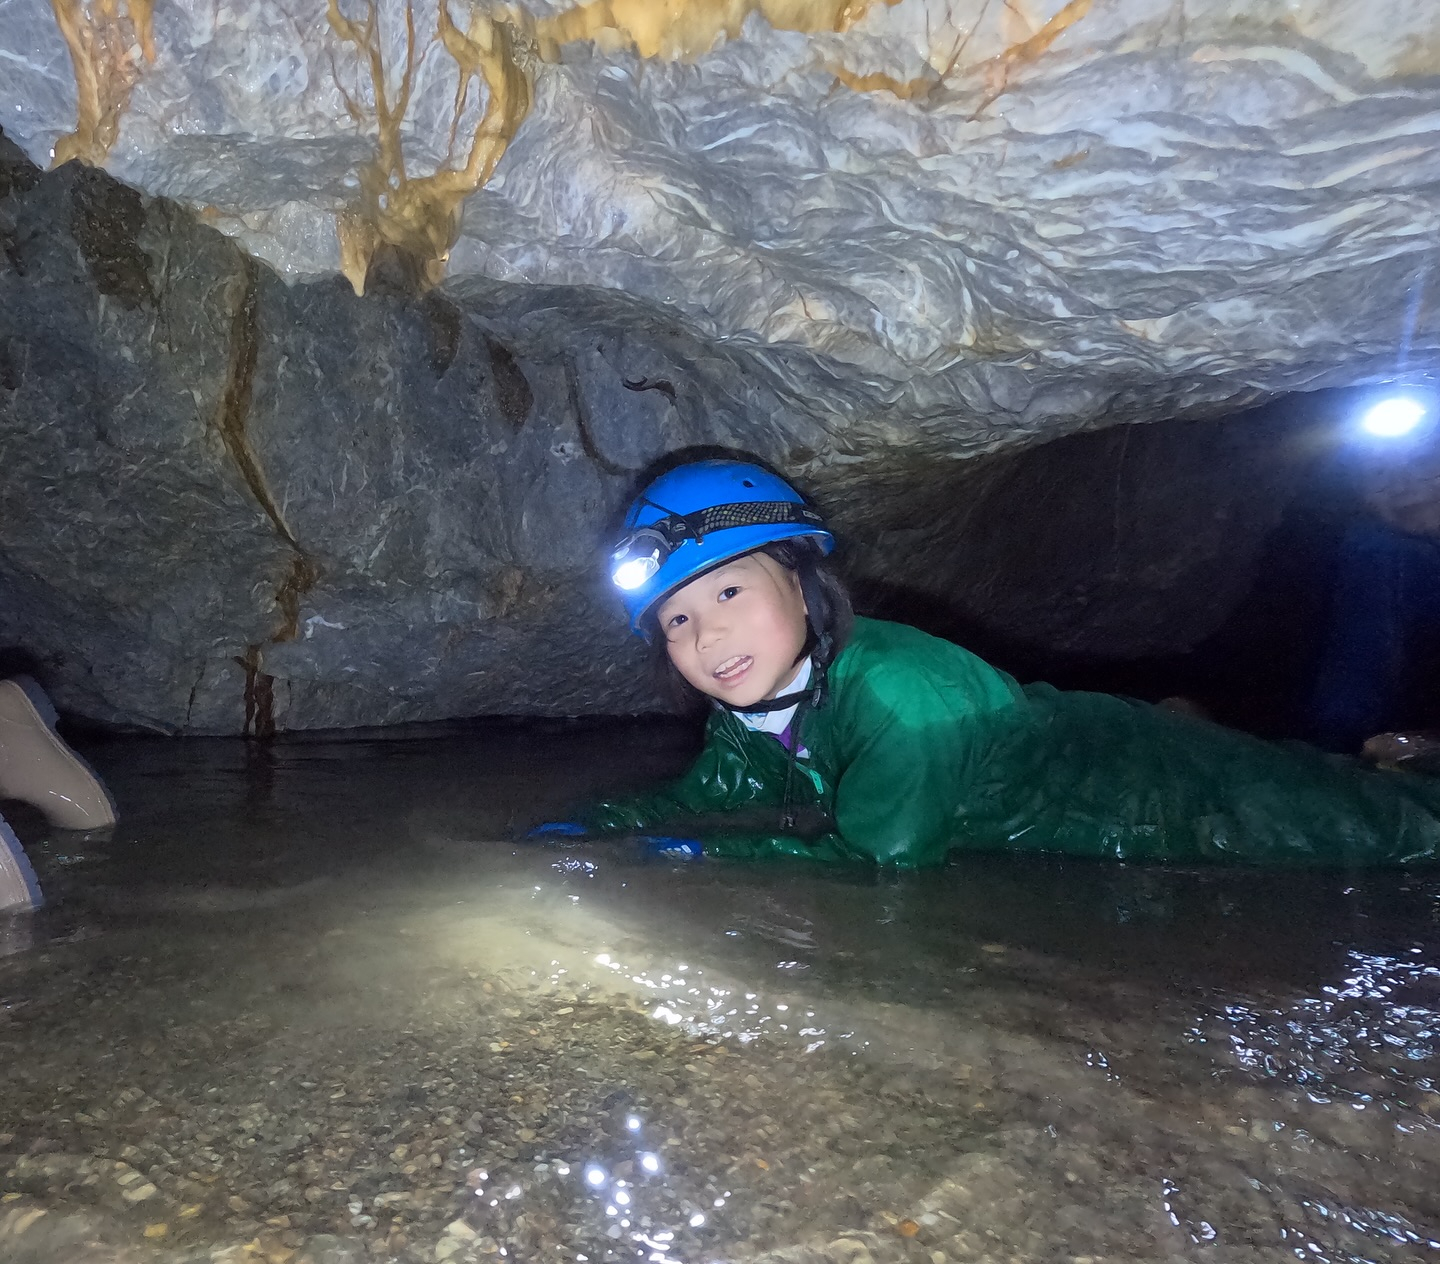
(319, 952)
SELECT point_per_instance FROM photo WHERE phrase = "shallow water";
(303, 1005)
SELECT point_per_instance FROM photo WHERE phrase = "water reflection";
(1369, 1039)
(306, 999)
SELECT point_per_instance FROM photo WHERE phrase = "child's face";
(736, 632)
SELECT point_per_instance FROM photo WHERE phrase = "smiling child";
(898, 748)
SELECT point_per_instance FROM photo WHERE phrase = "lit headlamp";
(637, 559)
(1394, 417)
(1396, 414)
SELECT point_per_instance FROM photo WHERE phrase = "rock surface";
(232, 505)
(978, 220)
(860, 240)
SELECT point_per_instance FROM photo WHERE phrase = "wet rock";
(1023, 287)
(140, 1193)
(237, 506)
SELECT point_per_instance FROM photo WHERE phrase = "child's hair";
(828, 614)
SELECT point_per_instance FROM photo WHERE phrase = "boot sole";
(16, 873)
(45, 710)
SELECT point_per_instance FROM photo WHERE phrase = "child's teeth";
(728, 667)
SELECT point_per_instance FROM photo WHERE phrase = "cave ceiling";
(980, 220)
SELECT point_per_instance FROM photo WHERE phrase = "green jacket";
(924, 749)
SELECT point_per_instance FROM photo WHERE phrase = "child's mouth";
(732, 668)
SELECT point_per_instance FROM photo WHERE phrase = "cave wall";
(1126, 543)
(228, 504)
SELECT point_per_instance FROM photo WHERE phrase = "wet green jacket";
(924, 749)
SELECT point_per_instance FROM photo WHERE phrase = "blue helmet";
(697, 516)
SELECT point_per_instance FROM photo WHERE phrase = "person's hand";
(557, 829)
(671, 848)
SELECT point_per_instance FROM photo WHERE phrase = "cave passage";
(305, 1005)
(1277, 568)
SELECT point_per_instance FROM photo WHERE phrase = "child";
(899, 747)
(38, 768)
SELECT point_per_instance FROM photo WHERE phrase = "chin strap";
(814, 694)
(774, 704)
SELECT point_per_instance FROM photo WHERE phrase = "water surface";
(308, 1003)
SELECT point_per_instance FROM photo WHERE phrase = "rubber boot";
(18, 887)
(37, 767)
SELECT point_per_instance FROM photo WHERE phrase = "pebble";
(849, 1251)
(140, 1193)
(24, 1220)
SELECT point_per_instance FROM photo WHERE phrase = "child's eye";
(675, 621)
(729, 592)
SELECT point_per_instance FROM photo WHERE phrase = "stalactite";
(104, 37)
(418, 216)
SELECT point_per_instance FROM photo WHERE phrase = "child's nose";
(708, 630)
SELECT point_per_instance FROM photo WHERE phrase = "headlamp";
(1394, 417)
(638, 558)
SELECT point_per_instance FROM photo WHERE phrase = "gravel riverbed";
(310, 1010)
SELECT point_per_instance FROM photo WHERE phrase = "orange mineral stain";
(103, 37)
(687, 28)
(418, 217)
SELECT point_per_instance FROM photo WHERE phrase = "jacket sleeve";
(721, 780)
(830, 848)
(909, 767)
(718, 781)
(908, 771)
(896, 800)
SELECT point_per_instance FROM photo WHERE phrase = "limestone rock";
(227, 504)
(862, 240)
(980, 221)
(232, 505)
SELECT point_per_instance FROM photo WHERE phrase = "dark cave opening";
(1290, 608)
